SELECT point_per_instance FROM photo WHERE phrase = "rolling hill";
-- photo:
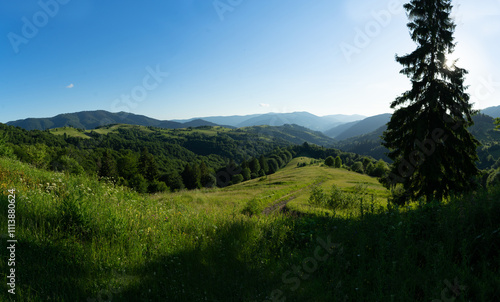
(95, 119)
(492, 111)
(365, 126)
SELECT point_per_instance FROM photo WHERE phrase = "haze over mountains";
(339, 127)
(304, 119)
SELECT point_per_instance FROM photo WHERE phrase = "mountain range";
(339, 127)
(304, 119)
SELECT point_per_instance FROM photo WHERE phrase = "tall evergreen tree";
(254, 165)
(191, 176)
(207, 178)
(338, 162)
(263, 164)
(433, 152)
(148, 166)
(107, 165)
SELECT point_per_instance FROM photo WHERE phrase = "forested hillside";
(151, 159)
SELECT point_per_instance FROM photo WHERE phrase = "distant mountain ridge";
(365, 126)
(94, 119)
(304, 119)
(339, 127)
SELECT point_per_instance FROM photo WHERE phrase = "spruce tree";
(434, 154)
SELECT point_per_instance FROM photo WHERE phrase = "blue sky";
(181, 59)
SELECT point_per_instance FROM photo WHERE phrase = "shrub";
(330, 161)
(358, 167)
(237, 178)
(336, 200)
(158, 186)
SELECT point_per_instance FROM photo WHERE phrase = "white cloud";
(70, 86)
(264, 105)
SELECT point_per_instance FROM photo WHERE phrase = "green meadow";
(80, 239)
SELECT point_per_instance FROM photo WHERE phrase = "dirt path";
(282, 202)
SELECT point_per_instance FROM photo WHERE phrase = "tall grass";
(85, 240)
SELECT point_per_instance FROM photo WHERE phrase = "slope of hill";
(303, 119)
(365, 126)
(483, 129)
(293, 134)
(94, 119)
(337, 130)
(104, 240)
(232, 120)
(492, 111)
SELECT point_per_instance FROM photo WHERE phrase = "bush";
(68, 164)
(337, 200)
(237, 178)
(330, 161)
(158, 187)
(338, 162)
(317, 196)
(358, 167)
(139, 183)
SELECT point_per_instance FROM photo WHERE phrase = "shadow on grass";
(47, 271)
(45, 268)
(215, 271)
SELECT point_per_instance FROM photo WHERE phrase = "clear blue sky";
(241, 57)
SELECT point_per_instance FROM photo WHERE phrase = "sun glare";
(450, 62)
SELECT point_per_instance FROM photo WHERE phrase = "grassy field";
(70, 132)
(171, 133)
(84, 240)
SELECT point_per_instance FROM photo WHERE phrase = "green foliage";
(5, 149)
(380, 169)
(147, 166)
(358, 167)
(434, 153)
(247, 173)
(173, 180)
(338, 162)
(107, 165)
(207, 178)
(68, 164)
(127, 165)
(493, 178)
(108, 241)
(263, 164)
(37, 155)
(254, 165)
(158, 187)
(338, 199)
(138, 183)
(273, 165)
(191, 176)
(237, 178)
(330, 161)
